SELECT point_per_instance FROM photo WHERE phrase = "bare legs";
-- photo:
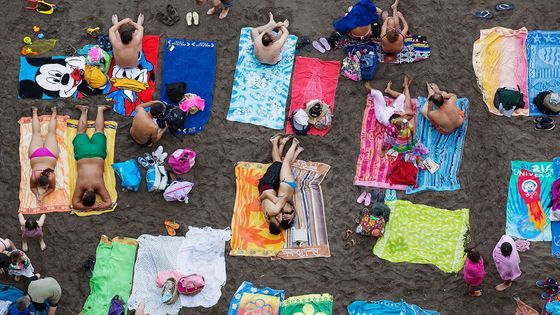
(216, 4)
(82, 123)
(286, 171)
(50, 141)
(275, 151)
(407, 100)
(36, 140)
(100, 119)
(503, 286)
(22, 224)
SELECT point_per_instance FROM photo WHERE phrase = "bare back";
(267, 54)
(126, 56)
(90, 175)
(448, 117)
(143, 128)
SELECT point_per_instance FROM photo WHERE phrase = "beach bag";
(129, 173)
(116, 307)
(508, 98)
(191, 284)
(368, 65)
(175, 91)
(156, 178)
(182, 160)
(369, 224)
(178, 191)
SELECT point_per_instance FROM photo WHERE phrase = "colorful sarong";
(131, 87)
(59, 199)
(415, 49)
(313, 304)
(313, 79)
(445, 150)
(386, 307)
(260, 91)
(528, 204)
(424, 235)
(500, 60)
(249, 300)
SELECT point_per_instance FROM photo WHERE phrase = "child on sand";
(6, 245)
(507, 261)
(32, 229)
(20, 265)
(474, 272)
(216, 5)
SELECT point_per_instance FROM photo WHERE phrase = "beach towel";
(363, 13)
(192, 62)
(445, 150)
(108, 173)
(319, 304)
(260, 91)
(313, 79)
(41, 78)
(249, 300)
(11, 294)
(308, 238)
(131, 87)
(249, 230)
(372, 170)
(555, 228)
(386, 307)
(416, 48)
(59, 199)
(500, 60)
(112, 275)
(543, 58)
(424, 235)
(529, 197)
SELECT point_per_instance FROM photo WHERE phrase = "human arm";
(52, 310)
(139, 33)
(404, 29)
(114, 30)
(282, 40)
(148, 104)
(77, 198)
(156, 136)
(106, 201)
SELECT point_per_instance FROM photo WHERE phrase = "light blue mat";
(543, 59)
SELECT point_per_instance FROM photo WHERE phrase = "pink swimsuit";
(27, 234)
(42, 152)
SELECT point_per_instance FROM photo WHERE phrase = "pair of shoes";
(364, 198)
(157, 157)
(171, 226)
(169, 17)
(89, 266)
(223, 14)
(322, 45)
(485, 14)
(544, 123)
(304, 43)
(551, 286)
(192, 18)
(350, 242)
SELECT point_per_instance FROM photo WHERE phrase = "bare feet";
(82, 108)
(296, 141)
(475, 293)
(286, 23)
(103, 107)
(368, 86)
(114, 19)
(224, 13)
(285, 139)
(395, 5)
(212, 11)
(54, 109)
(24, 246)
(34, 109)
(43, 245)
(388, 88)
(503, 286)
(274, 139)
(298, 150)
(407, 80)
(271, 18)
(140, 19)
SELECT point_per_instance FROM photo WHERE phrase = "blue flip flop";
(484, 14)
(504, 7)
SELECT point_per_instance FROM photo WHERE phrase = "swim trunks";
(94, 147)
(270, 179)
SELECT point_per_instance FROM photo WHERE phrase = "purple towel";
(363, 13)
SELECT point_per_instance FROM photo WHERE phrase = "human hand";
(399, 14)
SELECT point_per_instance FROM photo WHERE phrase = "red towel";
(313, 79)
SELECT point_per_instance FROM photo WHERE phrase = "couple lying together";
(278, 185)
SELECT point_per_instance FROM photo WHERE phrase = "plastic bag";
(129, 173)
(178, 191)
(156, 178)
(182, 160)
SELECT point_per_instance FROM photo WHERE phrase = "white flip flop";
(196, 18)
(189, 18)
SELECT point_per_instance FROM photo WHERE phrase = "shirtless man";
(392, 36)
(90, 154)
(446, 116)
(144, 130)
(126, 40)
(268, 47)
(277, 186)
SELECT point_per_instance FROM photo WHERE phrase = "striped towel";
(308, 238)
(415, 49)
(371, 169)
(59, 199)
(445, 150)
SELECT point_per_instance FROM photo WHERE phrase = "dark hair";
(23, 303)
(273, 228)
(14, 256)
(437, 99)
(4, 261)
(473, 255)
(89, 198)
(266, 39)
(156, 109)
(44, 177)
(287, 224)
(31, 224)
(126, 34)
(506, 249)
(392, 35)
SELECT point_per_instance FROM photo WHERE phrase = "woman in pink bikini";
(43, 155)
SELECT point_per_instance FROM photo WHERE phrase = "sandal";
(165, 19)
(89, 266)
(484, 14)
(351, 243)
(347, 234)
(172, 224)
(171, 10)
(142, 161)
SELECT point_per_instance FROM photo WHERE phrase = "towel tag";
(392, 152)
(430, 165)
(300, 235)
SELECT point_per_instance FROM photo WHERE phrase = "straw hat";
(315, 109)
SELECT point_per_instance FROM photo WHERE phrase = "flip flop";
(304, 42)
(196, 18)
(362, 197)
(544, 120)
(351, 243)
(325, 43)
(544, 126)
(367, 200)
(347, 234)
(318, 46)
(142, 161)
(165, 19)
(172, 224)
(504, 7)
(170, 230)
(89, 266)
(189, 18)
(484, 14)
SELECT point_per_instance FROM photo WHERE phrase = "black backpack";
(509, 98)
(173, 116)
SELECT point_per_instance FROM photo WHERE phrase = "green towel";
(311, 304)
(424, 235)
(112, 275)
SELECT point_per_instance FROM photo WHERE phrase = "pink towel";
(508, 267)
(474, 273)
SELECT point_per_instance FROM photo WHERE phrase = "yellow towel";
(59, 199)
(108, 175)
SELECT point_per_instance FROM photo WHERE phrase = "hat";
(315, 109)
(325, 121)
(300, 122)
(94, 77)
(552, 102)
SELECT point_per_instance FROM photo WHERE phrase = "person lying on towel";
(442, 111)
(144, 130)
(43, 156)
(90, 154)
(392, 34)
(278, 185)
(268, 47)
(126, 39)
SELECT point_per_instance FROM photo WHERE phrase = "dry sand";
(349, 274)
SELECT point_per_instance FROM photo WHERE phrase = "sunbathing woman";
(43, 155)
(392, 35)
(276, 198)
